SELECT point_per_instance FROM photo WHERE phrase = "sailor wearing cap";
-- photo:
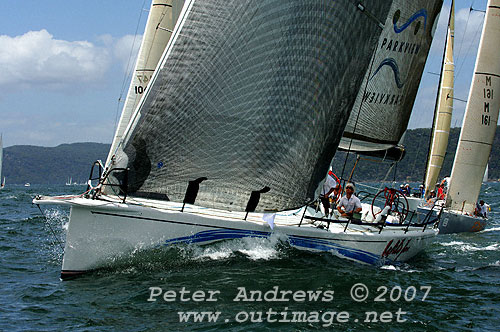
(350, 203)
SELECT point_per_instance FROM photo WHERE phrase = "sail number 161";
(486, 120)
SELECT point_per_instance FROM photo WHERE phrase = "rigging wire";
(478, 28)
(458, 72)
(381, 26)
(463, 36)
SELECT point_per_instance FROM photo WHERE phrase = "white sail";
(480, 120)
(443, 112)
(485, 176)
(161, 21)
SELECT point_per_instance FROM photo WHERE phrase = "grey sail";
(251, 94)
(383, 106)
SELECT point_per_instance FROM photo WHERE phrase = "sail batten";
(480, 119)
(250, 95)
(381, 112)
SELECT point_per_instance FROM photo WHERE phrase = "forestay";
(251, 94)
(161, 21)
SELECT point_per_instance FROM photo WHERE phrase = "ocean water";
(454, 285)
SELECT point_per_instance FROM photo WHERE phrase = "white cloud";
(126, 48)
(37, 59)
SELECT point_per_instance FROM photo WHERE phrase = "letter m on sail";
(486, 107)
(488, 80)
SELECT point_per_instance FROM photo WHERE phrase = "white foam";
(497, 263)
(253, 248)
(466, 247)
(214, 253)
(388, 267)
(397, 268)
(453, 243)
(494, 229)
(495, 246)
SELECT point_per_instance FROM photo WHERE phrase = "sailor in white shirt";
(349, 202)
(481, 210)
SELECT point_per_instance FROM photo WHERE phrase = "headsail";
(481, 117)
(443, 111)
(382, 111)
(251, 95)
(161, 21)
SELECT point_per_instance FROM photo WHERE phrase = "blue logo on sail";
(394, 66)
(420, 13)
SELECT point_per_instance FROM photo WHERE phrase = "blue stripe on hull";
(296, 241)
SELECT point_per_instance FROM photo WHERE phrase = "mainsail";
(251, 94)
(480, 120)
(381, 112)
(162, 18)
(443, 111)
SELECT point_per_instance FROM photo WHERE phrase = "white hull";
(413, 203)
(101, 231)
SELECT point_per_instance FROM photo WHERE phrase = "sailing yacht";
(379, 118)
(476, 136)
(2, 184)
(241, 108)
(443, 111)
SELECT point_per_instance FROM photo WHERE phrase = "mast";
(481, 117)
(444, 109)
(161, 21)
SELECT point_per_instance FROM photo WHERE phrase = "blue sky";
(63, 67)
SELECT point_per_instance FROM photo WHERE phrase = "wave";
(466, 247)
(401, 268)
(494, 229)
(252, 248)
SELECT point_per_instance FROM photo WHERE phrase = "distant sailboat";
(477, 134)
(69, 182)
(1, 163)
(443, 111)
(240, 121)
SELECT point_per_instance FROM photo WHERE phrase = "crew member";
(349, 204)
(481, 210)
(328, 187)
